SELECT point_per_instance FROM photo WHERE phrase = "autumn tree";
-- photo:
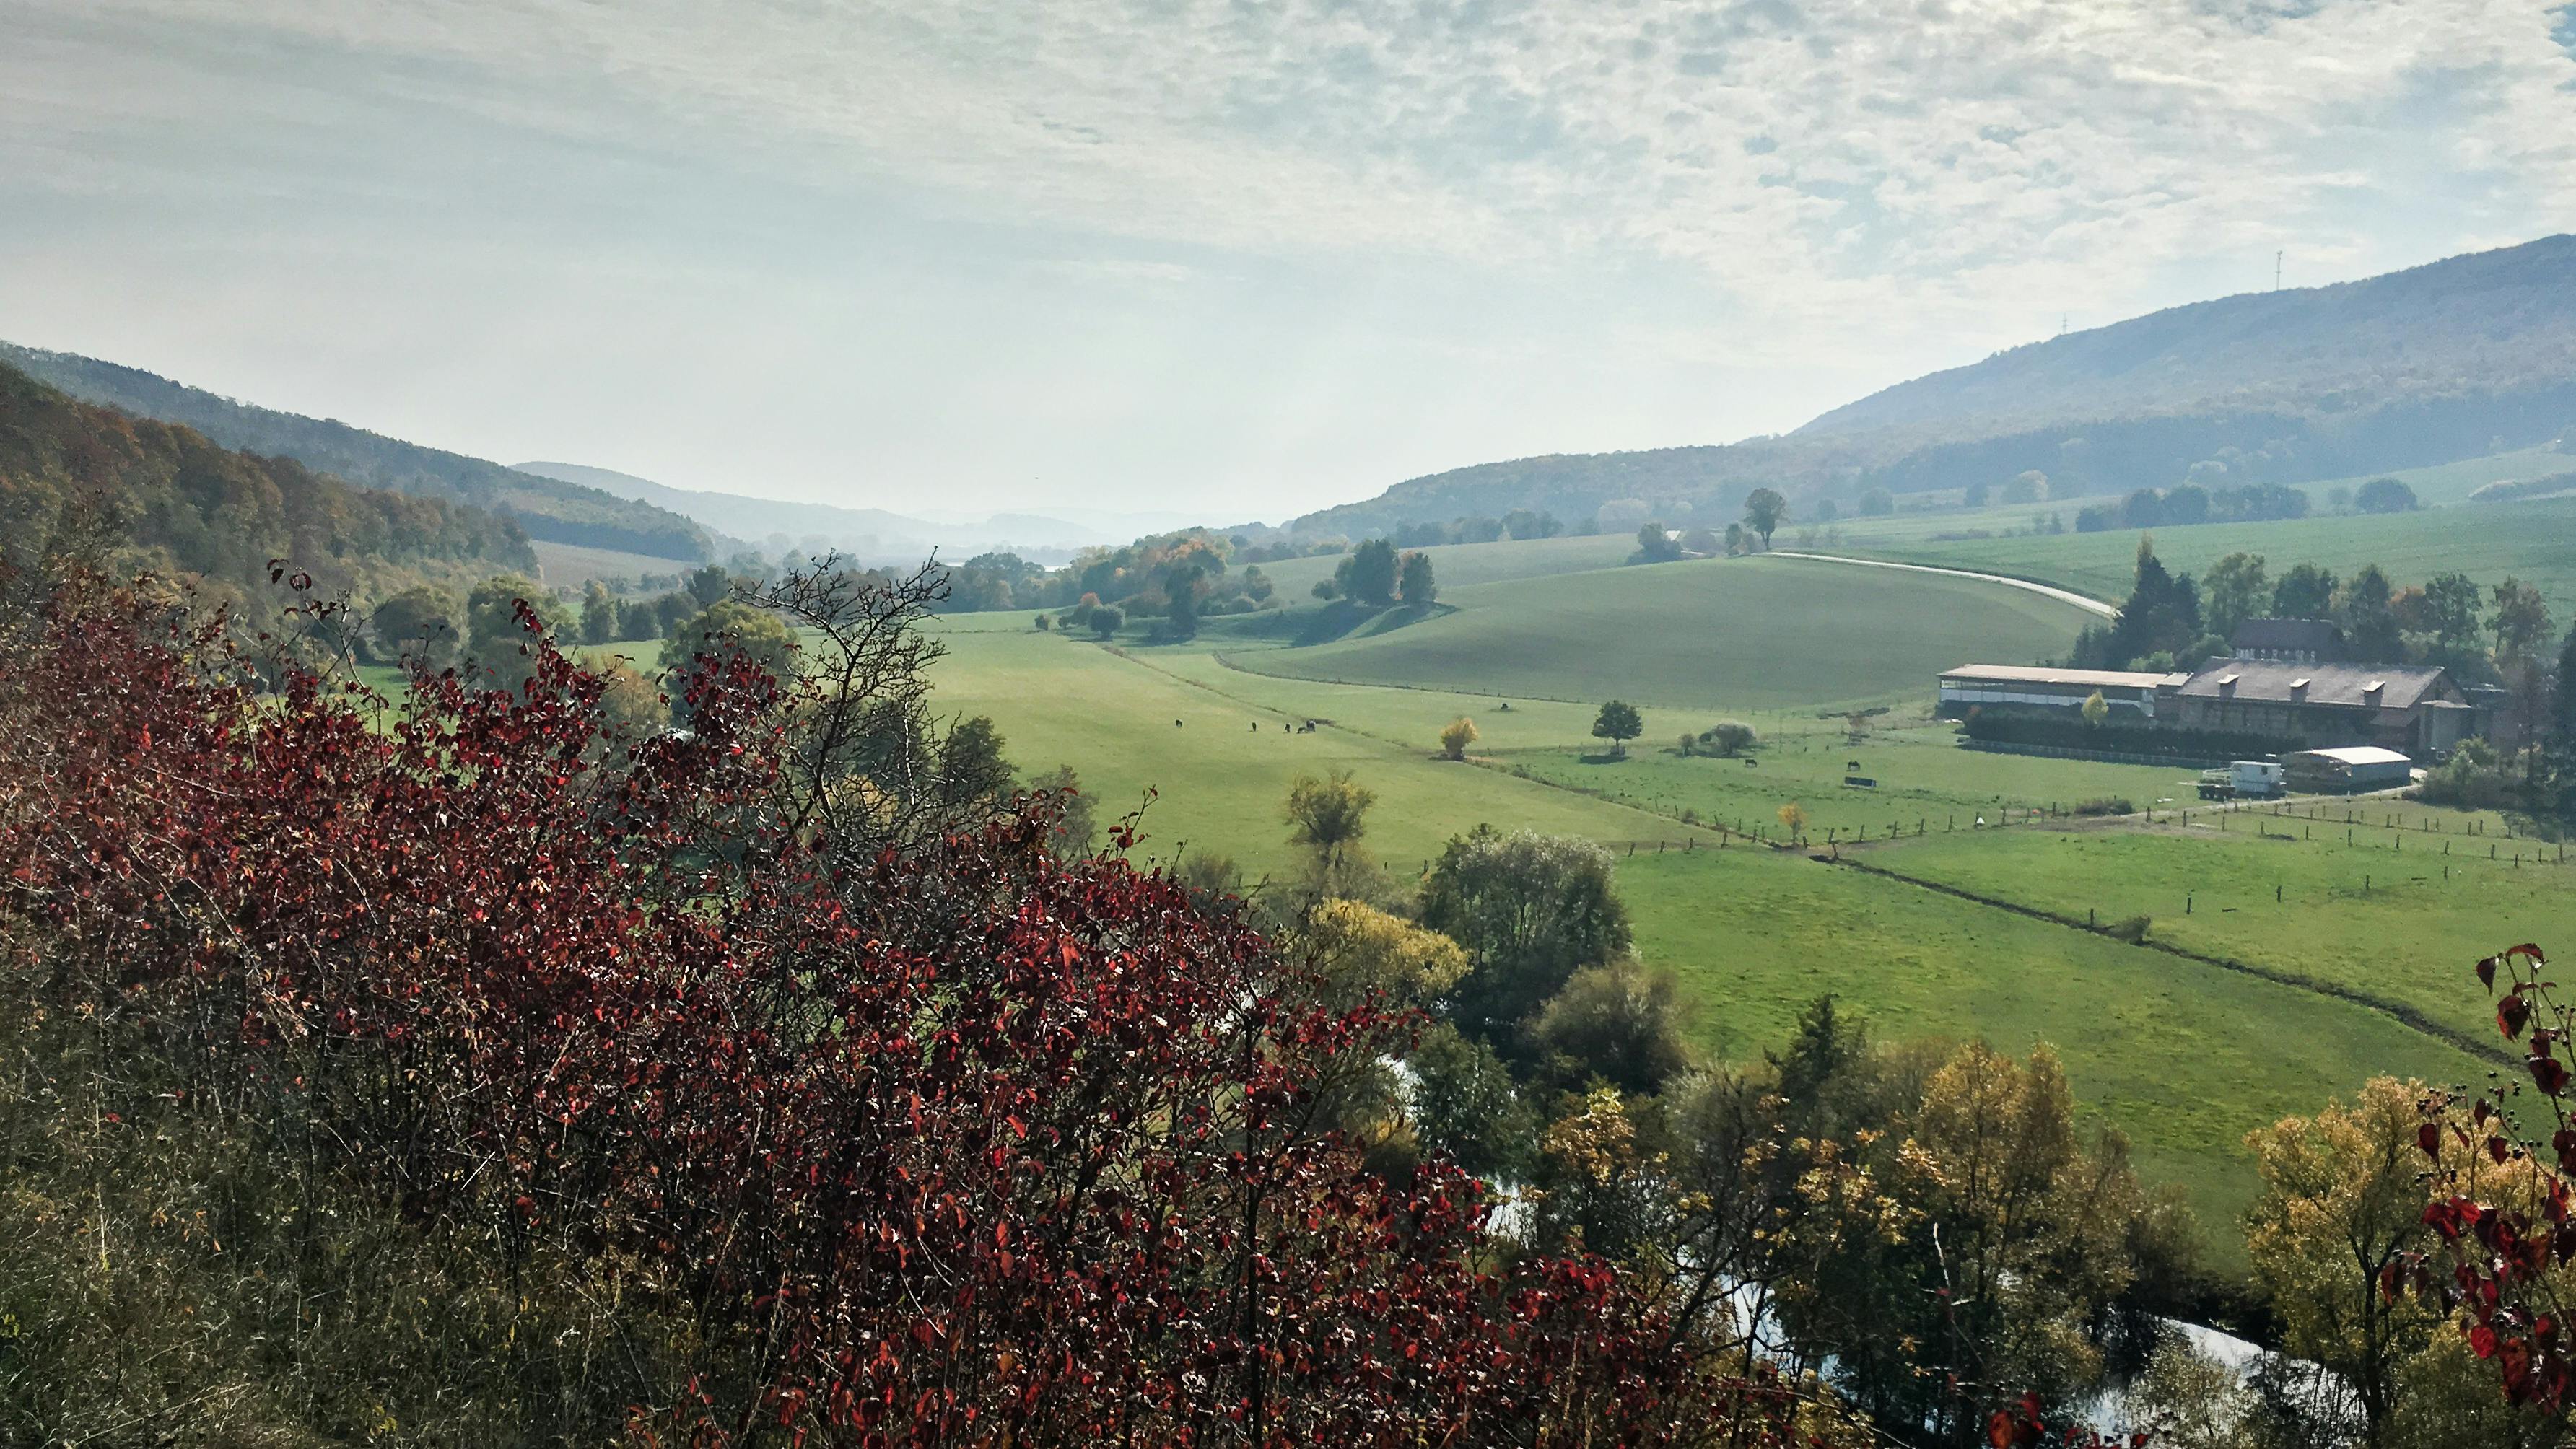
(1327, 815)
(1793, 820)
(2096, 709)
(1456, 736)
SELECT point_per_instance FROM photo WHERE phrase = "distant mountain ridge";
(2453, 359)
(2501, 320)
(547, 508)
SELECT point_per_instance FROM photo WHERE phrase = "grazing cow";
(1751, 763)
(1176, 724)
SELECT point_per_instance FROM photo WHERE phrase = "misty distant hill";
(547, 508)
(2463, 357)
(871, 534)
(2490, 324)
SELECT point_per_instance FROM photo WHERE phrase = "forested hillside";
(2461, 358)
(547, 508)
(179, 503)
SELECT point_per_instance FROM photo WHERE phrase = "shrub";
(2106, 805)
(905, 1140)
(1456, 736)
(1728, 737)
(2132, 930)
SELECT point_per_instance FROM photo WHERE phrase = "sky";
(1239, 260)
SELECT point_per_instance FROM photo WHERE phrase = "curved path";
(2086, 602)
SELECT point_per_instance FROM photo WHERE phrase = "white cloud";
(1852, 187)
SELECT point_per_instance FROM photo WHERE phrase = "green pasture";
(1758, 633)
(2534, 541)
(2182, 1057)
(1128, 725)
(1924, 781)
(1457, 565)
(2399, 913)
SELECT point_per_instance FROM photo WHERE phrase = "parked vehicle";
(2243, 780)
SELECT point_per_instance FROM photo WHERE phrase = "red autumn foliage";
(2508, 1249)
(961, 1144)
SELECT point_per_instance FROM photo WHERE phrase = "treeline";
(168, 499)
(2187, 504)
(546, 508)
(2173, 621)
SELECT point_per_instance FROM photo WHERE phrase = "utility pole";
(2276, 271)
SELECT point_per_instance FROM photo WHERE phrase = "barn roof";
(2359, 686)
(2043, 674)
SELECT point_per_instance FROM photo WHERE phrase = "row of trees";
(2498, 633)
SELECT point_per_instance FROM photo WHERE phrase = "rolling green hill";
(547, 508)
(1760, 633)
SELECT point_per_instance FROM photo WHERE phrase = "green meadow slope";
(1758, 633)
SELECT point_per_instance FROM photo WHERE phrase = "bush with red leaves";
(2502, 1207)
(959, 1144)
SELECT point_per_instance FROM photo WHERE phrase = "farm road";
(2085, 602)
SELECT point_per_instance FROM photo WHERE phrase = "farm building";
(2416, 709)
(1987, 685)
(2346, 770)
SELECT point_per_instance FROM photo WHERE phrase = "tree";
(1827, 510)
(1877, 503)
(1368, 573)
(730, 630)
(598, 613)
(1070, 831)
(1467, 1105)
(2385, 495)
(2444, 614)
(2096, 709)
(2341, 1202)
(1701, 541)
(1364, 954)
(1975, 495)
(2520, 623)
(1618, 723)
(1793, 820)
(2030, 486)
(2305, 592)
(1181, 590)
(496, 635)
(418, 623)
(709, 585)
(2233, 590)
(1728, 737)
(638, 619)
(1655, 544)
(1328, 815)
(1734, 539)
(2365, 607)
(1764, 511)
(1414, 582)
(1530, 910)
(1042, 623)
(1105, 621)
(1616, 1022)
(1456, 736)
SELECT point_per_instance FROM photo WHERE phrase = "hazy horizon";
(1129, 257)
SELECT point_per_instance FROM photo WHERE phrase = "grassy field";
(568, 564)
(2184, 1058)
(2532, 541)
(1457, 565)
(2397, 913)
(1763, 633)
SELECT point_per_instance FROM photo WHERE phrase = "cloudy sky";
(1236, 258)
